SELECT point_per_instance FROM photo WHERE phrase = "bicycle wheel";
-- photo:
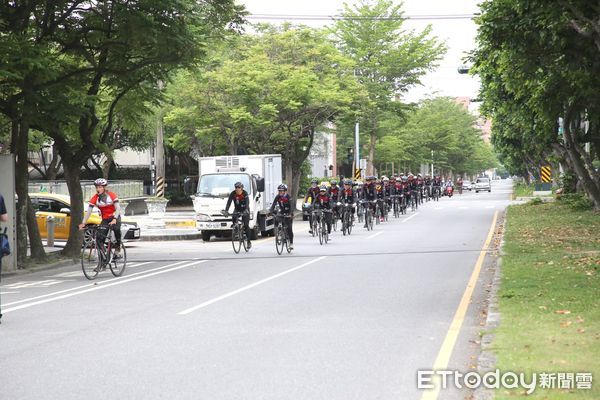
(334, 222)
(90, 260)
(324, 232)
(117, 266)
(350, 222)
(377, 215)
(236, 238)
(279, 240)
(244, 241)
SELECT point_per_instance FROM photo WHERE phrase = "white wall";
(131, 158)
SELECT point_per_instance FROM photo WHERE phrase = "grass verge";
(550, 297)
(523, 190)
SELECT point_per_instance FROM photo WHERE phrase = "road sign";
(546, 173)
(363, 163)
(357, 173)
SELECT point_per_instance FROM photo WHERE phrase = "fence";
(125, 189)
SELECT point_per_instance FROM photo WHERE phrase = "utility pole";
(356, 147)
(159, 156)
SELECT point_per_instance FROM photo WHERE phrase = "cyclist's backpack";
(4, 244)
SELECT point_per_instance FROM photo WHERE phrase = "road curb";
(161, 238)
(486, 361)
(31, 270)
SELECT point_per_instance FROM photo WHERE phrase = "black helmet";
(323, 188)
(238, 185)
(314, 181)
(282, 187)
(333, 182)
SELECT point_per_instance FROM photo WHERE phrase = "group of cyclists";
(372, 200)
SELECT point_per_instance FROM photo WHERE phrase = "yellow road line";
(443, 357)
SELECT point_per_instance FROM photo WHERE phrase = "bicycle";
(317, 217)
(323, 229)
(347, 219)
(414, 201)
(99, 252)
(335, 216)
(281, 233)
(238, 233)
(396, 205)
(369, 215)
(436, 193)
(377, 212)
(360, 211)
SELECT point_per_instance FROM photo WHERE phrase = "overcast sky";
(459, 35)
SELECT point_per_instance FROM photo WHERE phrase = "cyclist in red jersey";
(108, 204)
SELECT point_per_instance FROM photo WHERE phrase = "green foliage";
(268, 93)
(576, 201)
(388, 61)
(538, 62)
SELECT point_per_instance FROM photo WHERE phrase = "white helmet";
(100, 182)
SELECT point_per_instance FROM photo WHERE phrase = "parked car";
(468, 185)
(59, 206)
(482, 184)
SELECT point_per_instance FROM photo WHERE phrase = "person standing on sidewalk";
(3, 218)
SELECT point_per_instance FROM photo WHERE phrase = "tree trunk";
(72, 170)
(37, 248)
(583, 173)
(54, 166)
(107, 165)
(292, 180)
(21, 188)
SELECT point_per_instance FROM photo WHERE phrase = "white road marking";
(243, 289)
(375, 234)
(119, 281)
(88, 285)
(412, 216)
(135, 265)
(3, 293)
(29, 284)
(73, 274)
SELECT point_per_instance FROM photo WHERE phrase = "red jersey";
(106, 204)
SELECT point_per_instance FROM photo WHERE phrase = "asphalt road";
(353, 319)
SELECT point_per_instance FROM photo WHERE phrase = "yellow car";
(59, 206)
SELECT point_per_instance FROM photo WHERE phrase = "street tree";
(539, 65)
(388, 58)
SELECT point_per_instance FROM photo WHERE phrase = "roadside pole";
(357, 147)
(159, 156)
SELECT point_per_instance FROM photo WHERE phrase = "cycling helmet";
(282, 187)
(239, 185)
(314, 182)
(348, 182)
(100, 182)
(385, 179)
(333, 182)
(404, 178)
(323, 188)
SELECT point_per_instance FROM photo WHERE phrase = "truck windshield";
(220, 185)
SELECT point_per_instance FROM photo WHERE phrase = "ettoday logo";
(496, 379)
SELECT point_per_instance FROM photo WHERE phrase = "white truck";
(260, 174)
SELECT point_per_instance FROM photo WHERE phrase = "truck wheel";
(254, 233)
(206, 236)
(264, 234)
